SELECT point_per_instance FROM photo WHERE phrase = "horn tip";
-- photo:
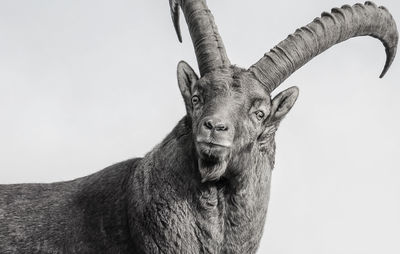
(178, 33)
(177, 28)
(390, 55)
(174, 8)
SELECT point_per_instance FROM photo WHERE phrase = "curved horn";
(207, 42)
(309, 41)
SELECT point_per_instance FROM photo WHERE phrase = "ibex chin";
(205, 187)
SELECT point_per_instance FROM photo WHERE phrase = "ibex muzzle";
(214, 136)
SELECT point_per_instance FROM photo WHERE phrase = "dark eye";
(195, 99)
(259, 114)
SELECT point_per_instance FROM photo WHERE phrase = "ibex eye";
(260, 115)
(195, 99)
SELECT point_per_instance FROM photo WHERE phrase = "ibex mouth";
(210, 141)
(210, 150)
(213, 144)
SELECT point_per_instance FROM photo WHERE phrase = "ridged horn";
(207, 42)
(331, 28)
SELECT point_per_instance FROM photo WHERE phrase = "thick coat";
(155, 204)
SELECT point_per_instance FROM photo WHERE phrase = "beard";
(211, 170)
(212, 162)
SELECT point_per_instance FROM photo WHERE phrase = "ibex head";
(230, 108)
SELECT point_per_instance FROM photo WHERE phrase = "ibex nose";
(212, 123)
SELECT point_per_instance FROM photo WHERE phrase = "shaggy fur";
(87, 215)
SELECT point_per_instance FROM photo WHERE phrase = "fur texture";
(87, 215)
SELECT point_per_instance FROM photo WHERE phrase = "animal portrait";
(194, 126)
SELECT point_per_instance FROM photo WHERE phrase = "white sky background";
(85, 84)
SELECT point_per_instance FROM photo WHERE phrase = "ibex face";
(233, 118)
(230, 108)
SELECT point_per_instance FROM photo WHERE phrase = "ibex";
(205, 187)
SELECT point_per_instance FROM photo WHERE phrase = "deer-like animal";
(205, 187)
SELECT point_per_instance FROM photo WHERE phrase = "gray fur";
(87, 215)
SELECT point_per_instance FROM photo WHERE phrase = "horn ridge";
(322, 33)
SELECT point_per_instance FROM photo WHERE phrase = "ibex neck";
(246, 209)
(172, 211)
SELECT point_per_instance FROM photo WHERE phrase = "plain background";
(85, 84)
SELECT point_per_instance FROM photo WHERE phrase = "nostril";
(209, 124)
(221, 127)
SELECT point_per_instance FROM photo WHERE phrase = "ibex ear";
(186, 80)
(282, 103)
